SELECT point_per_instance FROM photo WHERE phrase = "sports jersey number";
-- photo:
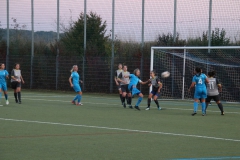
(211, 85)
(200, 81)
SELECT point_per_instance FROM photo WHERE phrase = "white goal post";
(223, 59)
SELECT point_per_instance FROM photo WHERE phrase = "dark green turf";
(37, 140)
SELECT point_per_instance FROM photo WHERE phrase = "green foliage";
(218, 38)
(73, 39)
(168, 40)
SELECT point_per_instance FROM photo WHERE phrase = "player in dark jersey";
(156, 87)
(213, 88)
(126, 94)
(117, 72)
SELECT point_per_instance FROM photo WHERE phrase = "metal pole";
(57, 57)
(175, 21)
(172, 74)
(209, 24)
(85, 42)
(151, 65)
(112, 59)
(32, 46)
(7, 56)
(142, 46)
(184, 61)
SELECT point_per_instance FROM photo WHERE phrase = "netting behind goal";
(181, 62)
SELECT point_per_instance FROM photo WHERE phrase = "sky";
(192, 16)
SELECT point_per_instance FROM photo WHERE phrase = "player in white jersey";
(117, 72)
(213, 88)
(124, 80)
(16, 80)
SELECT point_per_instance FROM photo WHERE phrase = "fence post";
(32, 45)
(209, 24)
(184, 61)
(175, 21)
(84, 43)
(142, 45)
(112, 58)
(172, 74)
(7, 56)
(57, 57)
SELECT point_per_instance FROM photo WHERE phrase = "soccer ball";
(165, 74)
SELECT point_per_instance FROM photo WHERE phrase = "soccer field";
(47, 126)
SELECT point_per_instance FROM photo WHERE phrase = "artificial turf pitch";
(47, 126)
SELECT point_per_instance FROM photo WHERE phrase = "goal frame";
(185, 48)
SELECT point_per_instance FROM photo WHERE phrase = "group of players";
(127, 87)
(16, 80)
(206, 88)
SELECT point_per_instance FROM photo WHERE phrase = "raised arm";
(141, 82)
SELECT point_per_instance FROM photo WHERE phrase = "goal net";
(181, 62)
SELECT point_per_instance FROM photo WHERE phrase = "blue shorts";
(134, 90)
(200, 93)
(3, 86)
(155, 93)
(77, 88)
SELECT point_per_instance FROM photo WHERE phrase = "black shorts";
(118, 87)
(124, 88)
(15, 84)
(215, 98)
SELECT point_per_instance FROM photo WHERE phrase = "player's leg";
(129, 97)
(79, 98)
(203, 106)
(14, 87)
(124, 93)
(204, 96)
(220, 106)
(208, 100)
(140, 97)
(123, 98)
(79, 95)
(4, 87)
(195, 103)
(120, 92)
(77, 89)
(149, 100)
(18, 90)
(0, 93)
(155, 98)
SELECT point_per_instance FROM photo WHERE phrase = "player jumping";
(133, 86)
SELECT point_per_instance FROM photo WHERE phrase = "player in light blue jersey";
(198, 82)
(3, 85)
(74, 82)
(134, 80)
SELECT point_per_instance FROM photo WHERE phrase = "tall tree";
(73, 38)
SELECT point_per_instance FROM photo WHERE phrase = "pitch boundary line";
(122, 129)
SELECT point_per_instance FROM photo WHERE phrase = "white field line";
(108, 104)
(122, 129)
